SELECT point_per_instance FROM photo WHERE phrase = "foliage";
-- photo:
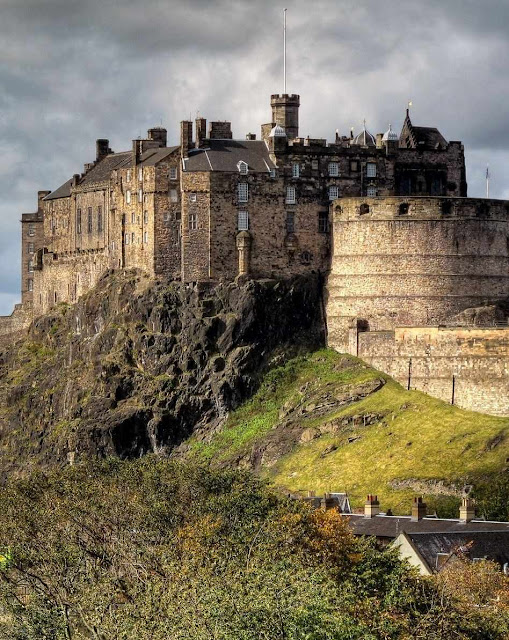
(152, 549)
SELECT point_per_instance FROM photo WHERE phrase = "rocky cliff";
(136, 365)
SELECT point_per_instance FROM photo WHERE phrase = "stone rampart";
(416, 261)
(465, 366)
(13, 327)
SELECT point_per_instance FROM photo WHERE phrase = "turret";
(285, 113)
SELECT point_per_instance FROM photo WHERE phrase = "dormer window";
(295, 170)
(242, 167)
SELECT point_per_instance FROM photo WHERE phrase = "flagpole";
(284, 50)
(487, 181)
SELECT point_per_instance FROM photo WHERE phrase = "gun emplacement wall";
(416, 262)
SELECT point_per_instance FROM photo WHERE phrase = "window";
(173, 195)
(333, 192)
(145, 237)
(133, 238)
(128, 176)
(295, 170)
(354, 165)
(173, 173)
(166, 216)
(30, 284)
(145, 217)
(314, 165)
(371, 170)
(89, 220)
(30, 266)
(243, 192)
(193, 221)
(323, 221)
(192, 197)
(78, 221)
(334, 169)
(242, 167)
(126, 238)
(31, 229)
(31, 247)
(140, 195)
(140, 174)
(99, 219)
(133, 218)
(128, 197)
(290, 195)
(272, 173)
(371, 191)
(290, 222)
(243, 221)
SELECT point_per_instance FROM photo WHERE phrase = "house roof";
(223, 155)
(493, 545)
(64, 191)
(102, 170)
(383, 526)
(152, 156)
(420, 137)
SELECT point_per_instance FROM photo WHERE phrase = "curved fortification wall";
(416, 261)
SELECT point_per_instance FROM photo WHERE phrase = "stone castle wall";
(465, 366)
(400, 268)
(416, 261)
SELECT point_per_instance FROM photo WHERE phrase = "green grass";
(417, 442)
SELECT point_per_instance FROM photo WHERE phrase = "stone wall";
(465, 366)
(415, 261)
(13, 327)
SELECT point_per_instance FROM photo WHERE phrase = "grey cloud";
(72, 71)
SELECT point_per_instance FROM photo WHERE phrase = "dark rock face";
(137, 365)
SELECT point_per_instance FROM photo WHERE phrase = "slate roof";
(493, 545)
(383, 526)
(152, 156)
(429, 137)
(64, 191)
(102, 170)
(223, 155)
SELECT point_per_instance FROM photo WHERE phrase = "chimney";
(75, 179)
(327, 502)
(220, 130)
(158, 135)
(102, 148)
(41, 195)
(186, 137)
(418, 509)
(201, 128)
(379, 137)
(251, 136)
(467, 510)
(311, 494)
(372, 506)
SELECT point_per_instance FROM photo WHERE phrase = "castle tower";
(285, 113)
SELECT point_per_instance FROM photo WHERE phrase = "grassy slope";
(417, 438)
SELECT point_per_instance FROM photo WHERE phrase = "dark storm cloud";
(72, 71)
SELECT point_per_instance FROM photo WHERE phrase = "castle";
(385, 217)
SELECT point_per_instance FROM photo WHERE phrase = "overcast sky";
(72, 71)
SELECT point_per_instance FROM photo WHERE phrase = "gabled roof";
(64, 191)
(152, 156)
(420, 137)
(383, 526)
(492, 545)
(102, 170)
(223, 155)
